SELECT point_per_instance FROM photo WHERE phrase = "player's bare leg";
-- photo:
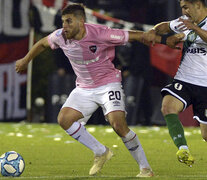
(67, 119)
(131, 141)
(67, 116)
(204, 131)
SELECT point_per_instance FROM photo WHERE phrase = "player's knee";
(120, 129)
(164, 110)
(65, 120)
(62, 119)
(168, 109)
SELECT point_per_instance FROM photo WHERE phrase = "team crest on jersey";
(191, 36)
(93, 48)
(178, 86)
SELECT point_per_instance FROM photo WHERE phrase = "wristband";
(164, 39)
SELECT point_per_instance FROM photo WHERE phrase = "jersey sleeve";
(174, 26)
(113, 37)
(54, 39)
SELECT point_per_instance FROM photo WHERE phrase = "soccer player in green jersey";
(189, 86)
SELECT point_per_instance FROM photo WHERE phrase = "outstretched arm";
(162, 28)
(159, 29)
(170, 41)
(138, 36)
(41, 45)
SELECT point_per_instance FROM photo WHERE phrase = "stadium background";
(154, 65)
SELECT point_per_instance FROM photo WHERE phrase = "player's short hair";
(76, 9)
(204, 2)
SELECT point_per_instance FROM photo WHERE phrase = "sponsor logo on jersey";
(178, 86)
(93, 48)
(197, 51)
(84, 62)
(191, 36)
(115, 36)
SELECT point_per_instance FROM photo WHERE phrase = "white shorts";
(110, 97)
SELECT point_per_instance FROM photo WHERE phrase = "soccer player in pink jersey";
(90, 49)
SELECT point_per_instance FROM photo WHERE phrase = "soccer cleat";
(145, 173)
(184, 156)
(99, 161)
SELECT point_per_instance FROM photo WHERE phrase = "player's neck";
(81, 34)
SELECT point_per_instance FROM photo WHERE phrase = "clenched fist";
(173, 40)
(21, 65)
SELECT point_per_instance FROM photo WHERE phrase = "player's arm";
(138, 36)
(202, 33)
(173, 40)
(167, 36)
(41, 45)
(170, 41)
(159, 29)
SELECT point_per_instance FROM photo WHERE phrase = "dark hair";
(192, 1)
(76, 9)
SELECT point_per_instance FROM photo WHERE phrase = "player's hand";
(174, 40)
(149, 37)
(21, 65)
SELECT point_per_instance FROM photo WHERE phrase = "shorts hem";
(114, 111)
(176, 96)
(200, 121)
(73, 109)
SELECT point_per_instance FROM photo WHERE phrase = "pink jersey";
(92, 56)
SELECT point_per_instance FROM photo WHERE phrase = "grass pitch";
(50, 154)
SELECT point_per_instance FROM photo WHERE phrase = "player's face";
(190, 10)
(71, 26)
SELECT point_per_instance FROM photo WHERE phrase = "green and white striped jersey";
(193, 66)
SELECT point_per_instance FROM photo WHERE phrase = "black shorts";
(189, 94)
